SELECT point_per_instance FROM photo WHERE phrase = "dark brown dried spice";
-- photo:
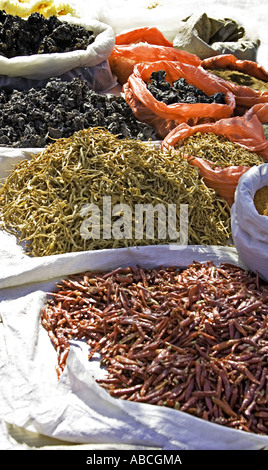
(40, 35)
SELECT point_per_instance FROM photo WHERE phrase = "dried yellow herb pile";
(41, 200)
(261, 200)
(217, 150)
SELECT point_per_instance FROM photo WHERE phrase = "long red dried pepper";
(193, 339)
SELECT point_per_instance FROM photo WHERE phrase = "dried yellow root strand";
(41, 200)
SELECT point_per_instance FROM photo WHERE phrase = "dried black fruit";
(180, 91)
(40, 35)
(35, 117)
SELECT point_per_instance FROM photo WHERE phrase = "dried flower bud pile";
(217, 150)
(41, 200)
(193, 339)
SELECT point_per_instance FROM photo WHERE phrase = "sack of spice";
(144, 45)
(191, 82)
(70, 47)
(206, 37)
(249, 219)
(223, 151)
(247, 80)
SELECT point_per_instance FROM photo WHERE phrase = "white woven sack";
(249, 228)
(76, 409)
(42, 66)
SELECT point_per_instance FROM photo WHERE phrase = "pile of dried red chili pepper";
(194, 339)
